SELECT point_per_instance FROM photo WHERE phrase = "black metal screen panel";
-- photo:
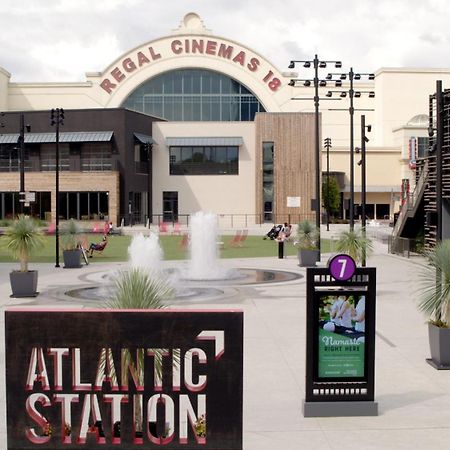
(340, 356)
(87, 379)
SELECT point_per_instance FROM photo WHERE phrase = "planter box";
(72, 259)
(308, 258)
(439, 347)
(24, 284)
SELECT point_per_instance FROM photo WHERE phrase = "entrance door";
(170, 206)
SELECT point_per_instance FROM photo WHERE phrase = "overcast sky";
(60, 40)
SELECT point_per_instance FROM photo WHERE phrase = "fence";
(224, 220)
(403, 246)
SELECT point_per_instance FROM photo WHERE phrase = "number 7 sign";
(342, 267)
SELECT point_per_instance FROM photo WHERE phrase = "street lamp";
(362, 163)
(352, 76)
(148, 148)
(316, 63)
(57, 118)
(327, 144)
(439, 145)
(21, 143)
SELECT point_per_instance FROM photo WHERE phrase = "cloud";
(59, 40)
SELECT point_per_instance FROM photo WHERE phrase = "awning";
(144, 138)
(64, 137)
(201, 141)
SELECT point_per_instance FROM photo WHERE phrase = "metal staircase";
(409, 208)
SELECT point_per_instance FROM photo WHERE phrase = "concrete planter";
(72, 258)
(24, 284)
(308, 258)
(439, 339)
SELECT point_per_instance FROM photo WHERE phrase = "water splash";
(203, 247)
(146, 252)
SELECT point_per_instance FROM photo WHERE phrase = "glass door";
(170, 206)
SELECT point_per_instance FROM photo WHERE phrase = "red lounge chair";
(176, 228)
(184, 242)
(97, 248)
(51, 229)
(236, 239)
(242, 239)
(97, 228)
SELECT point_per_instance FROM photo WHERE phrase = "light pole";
(352, 76)
(328, 146)
(57, 118)
(439, 145)
(316, 63)
(362, 163)
(21, 142)
(148, 148)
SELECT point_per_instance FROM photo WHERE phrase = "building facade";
(226, 131)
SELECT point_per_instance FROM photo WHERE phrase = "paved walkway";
(414, 399)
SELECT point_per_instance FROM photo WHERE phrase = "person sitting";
(108, 228)
(97, 247)
(286, 230)
(273, 232)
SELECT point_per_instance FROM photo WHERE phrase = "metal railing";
(411, 200)
(403, 246)
(224, 221)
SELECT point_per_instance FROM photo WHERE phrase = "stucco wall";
(226, 194)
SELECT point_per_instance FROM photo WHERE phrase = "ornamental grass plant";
(22, 238)
(434, 290)
(355, 244)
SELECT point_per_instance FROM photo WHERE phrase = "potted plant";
(21, 239)
(355, 244)
(307, 237)
(137, 288)
(434, 295)
(70, 243)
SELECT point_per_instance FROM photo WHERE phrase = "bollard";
(280, 249)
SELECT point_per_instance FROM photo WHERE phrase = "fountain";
(198, 281)
(146, 253)
(204, 251)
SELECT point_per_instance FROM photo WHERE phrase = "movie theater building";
(193, 121)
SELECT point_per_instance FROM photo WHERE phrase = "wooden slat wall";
(294, 162)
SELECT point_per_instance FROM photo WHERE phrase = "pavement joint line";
(385, 339)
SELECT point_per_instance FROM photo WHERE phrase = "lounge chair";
(98, 247)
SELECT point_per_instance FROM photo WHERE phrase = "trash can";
(280, 249)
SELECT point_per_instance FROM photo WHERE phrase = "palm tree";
(355, 244)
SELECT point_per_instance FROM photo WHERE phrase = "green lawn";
(116, 250)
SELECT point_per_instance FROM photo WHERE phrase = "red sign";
(190, 46)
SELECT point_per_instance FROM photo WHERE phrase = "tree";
(330, 195)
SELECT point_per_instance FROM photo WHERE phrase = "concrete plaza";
(413, 398)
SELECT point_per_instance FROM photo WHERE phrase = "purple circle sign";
(342, 267)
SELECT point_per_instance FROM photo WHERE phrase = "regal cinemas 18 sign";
(185, 47)
(124, 379)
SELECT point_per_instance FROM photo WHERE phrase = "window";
(196, 95)
(9, 158)
(95, 156)
(48, 157)
(201, 160)
(267, 184)
(423, 144)
(83, 205)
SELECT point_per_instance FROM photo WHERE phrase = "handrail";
(411, 200)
